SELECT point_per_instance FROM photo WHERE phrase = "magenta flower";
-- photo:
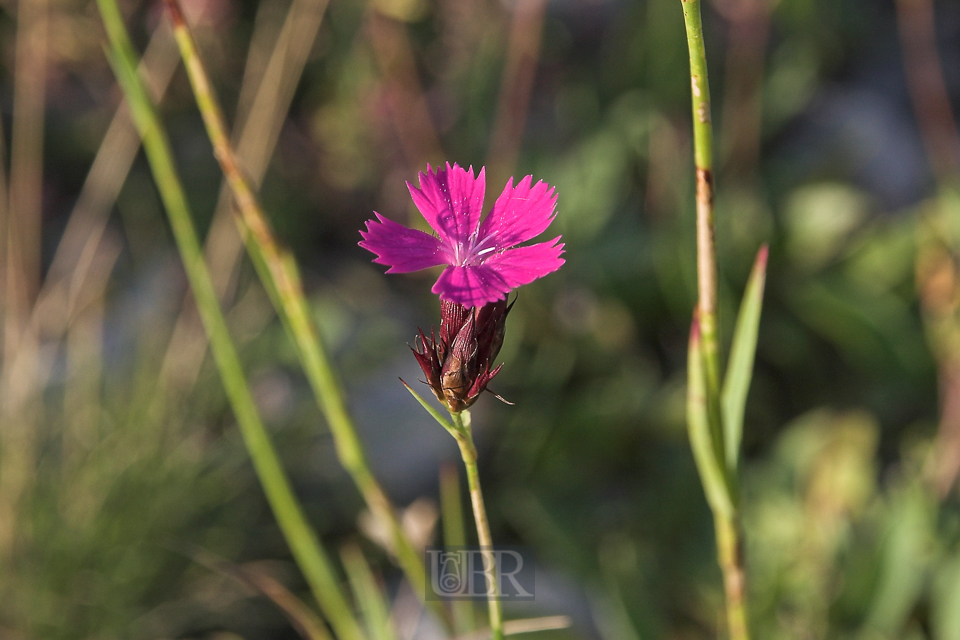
(484, 261)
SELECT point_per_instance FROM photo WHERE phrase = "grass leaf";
(705, 453)
(736, 383)
(306, 547)
(278, 271)
(366, 591)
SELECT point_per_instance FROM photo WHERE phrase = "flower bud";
(457, 365)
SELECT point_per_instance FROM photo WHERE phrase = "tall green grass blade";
(279, 274)
(451, 507)
(945, 605)
(454, 535)
(736, 383)
(366, 591)
(905, 563)
(705, 414)
(706, 452)
(303, 542)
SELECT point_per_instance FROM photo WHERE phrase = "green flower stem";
(723, 499)
(279, 274)
(303, 542)
(464, 436)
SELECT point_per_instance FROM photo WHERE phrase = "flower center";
(472, 252)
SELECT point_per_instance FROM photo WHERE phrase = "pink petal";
(472, 286)
(400, 247)
(522, 265)
(451, 200)
(521, 213)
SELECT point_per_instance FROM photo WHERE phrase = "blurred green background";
(120, 463)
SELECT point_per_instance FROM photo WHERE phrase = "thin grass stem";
(280, 276)
(303, 542)
(264, 102)
(405, 98)
(454, 535)
(26, 144)
(519, 71)
(726, 520)
(706, 227)
(730, 558)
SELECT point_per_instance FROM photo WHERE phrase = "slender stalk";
(706, 227)
(454, 535)
(87, 223)
(742, 105)
(730, 558)
(916, 24)
(303, 542)
(278, 272)
(523, 53)
(368, 592)
(464, 436)
(404, 96)
(20, 217)
(269, 82)
(26, 144)
(923, 68)
(726, 520)
(302, 617)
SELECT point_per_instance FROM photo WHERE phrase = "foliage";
(120, 457)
